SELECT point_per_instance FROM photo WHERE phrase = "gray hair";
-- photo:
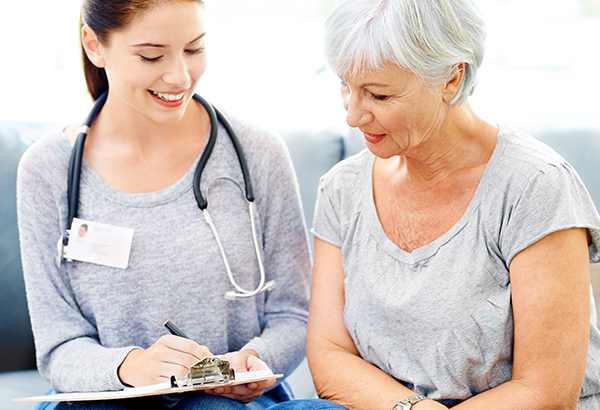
(426, 37)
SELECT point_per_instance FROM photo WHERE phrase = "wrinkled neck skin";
(461, 141)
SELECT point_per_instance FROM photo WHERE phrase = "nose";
(357, 114)
(177, 73)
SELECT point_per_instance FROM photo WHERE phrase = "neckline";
(144, 199)
(426, 251)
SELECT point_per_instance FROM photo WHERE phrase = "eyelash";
(196, 51)
(150, 60)
(379, 97)
(374, 96)
(156, 59)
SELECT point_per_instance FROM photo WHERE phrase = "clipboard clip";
(212, 370)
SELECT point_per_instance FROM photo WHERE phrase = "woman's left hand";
(244, 361)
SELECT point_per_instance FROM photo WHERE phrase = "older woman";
(451, 256)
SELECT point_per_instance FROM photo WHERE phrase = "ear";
(452, 86)
(92, 46)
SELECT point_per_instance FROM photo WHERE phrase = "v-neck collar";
(426, 251)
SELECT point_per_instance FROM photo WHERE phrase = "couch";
(313, 151)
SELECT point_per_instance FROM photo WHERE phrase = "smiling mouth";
(373, 138)
(373, 135)
(168, 97)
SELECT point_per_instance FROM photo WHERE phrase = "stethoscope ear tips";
(270, 285)
(232, 295)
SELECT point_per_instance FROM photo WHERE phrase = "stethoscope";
(74, 174)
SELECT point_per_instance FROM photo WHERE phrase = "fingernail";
(219, 390)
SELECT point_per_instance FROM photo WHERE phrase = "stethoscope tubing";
(74, 174)
(76, 160)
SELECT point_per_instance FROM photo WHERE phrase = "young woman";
(153, 154)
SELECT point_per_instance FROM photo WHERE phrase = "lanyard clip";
(61, 249)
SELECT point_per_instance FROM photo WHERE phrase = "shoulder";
(343, 195)
(345, 187)
(521, 159)
(48, 156)
(533, 191)
(347, 173)
(42, 176)
(527, 153)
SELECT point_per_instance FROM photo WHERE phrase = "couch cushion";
(16, 342)
(313, 153)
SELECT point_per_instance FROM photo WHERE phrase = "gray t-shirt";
(86, 317)
(439, 319)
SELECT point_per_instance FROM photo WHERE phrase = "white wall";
(264, 55)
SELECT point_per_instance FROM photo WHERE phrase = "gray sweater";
(440, 318)
(86, 317)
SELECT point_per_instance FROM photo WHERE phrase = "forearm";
(350, 381)
(281, 345)
(83, 365)
(516, 395)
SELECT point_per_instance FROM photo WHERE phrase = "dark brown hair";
(104, 17)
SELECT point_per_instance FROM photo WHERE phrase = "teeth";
(168, 97)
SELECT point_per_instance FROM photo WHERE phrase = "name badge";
(99, 243)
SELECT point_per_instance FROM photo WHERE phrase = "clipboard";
(153, 390)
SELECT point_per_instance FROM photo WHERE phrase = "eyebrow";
(379, 85)
(162, 45)
(369, 84)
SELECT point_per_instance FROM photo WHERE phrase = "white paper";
(155, 389)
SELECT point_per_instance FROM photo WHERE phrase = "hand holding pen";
(171, 354)
(243, 361)
(174, 329)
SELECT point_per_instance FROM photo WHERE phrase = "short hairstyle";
(105, 17)
(426, 37)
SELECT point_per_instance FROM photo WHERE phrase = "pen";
(174, 329)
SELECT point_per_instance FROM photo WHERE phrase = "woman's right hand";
(170, 355)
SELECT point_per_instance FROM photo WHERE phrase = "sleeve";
(554, 199)
(326, 221)
(282, 343)
(68, 352)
